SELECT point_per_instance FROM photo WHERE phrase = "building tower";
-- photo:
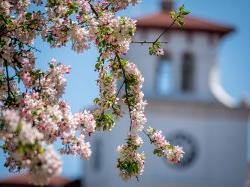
(187, 103)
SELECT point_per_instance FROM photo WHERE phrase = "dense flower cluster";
(130, 162)
(25, 148)
(155, 49)
(47, 165)
(174, 154)
(39, 117)
(118, 4)
(135, 99)
(33, 114)
(114, 34)
(107, 101)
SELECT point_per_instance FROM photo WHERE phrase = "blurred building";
(187, 102)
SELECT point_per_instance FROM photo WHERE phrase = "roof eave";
(219, 32)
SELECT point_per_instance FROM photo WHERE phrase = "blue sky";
(234, 59)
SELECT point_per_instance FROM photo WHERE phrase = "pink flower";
(87, 121)
(159, 52)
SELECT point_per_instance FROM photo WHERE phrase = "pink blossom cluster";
(75, 145)
(53, 83)
(130, 161)
(87, 121)
(114, 34)
(13, 123)
(156, 49)
(174, 154)
(25, 148)
(118, 4)
(100, 26)
(39, 117)
(138, 118)
(107, 100)
(79, 37)
(47, 165)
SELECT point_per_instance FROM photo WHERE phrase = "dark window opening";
(187, 82)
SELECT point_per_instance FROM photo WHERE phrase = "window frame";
(188, 66)
(166, 57)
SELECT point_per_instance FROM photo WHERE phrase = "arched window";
(164, 75)
(187, 72)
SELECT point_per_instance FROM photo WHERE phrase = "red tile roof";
(162, 20)
(23, 180)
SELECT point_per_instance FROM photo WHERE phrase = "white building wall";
(200, 45)
(221, 137)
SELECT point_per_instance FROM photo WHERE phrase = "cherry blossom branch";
(2, 33)
(28, 45)
(116, 96)
(177, 18)
(7, 78)
(163, 148)
(126, 89)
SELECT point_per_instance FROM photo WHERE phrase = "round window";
(190, 147)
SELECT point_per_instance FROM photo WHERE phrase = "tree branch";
(165, 31)
(153, 42)
(126, 89)
(119, 89)
(8, 81)
(93, 10)
(146, 42)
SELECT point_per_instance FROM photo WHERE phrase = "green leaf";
(105, 121)
(28, 15)
(159, 152)
(178, 16)
(154, 47)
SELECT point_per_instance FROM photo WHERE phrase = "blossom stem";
(126, 89)
(8, 80)
(151, 141)
(29, 46)
(120, 89)
(93, 10)
(165, 31)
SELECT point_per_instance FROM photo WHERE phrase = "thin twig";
(117, 95)
(151, 141)
(37, 50)
(156, 40)
(106, 8)
(165, 31)
(146, 42)
(31, 47)
(8, 80)
(93, 9)
(119, 89)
